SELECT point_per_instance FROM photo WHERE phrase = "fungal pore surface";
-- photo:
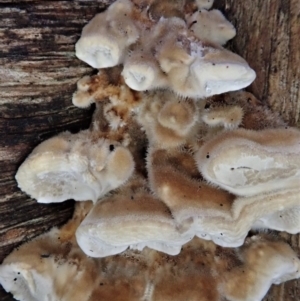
(173, 173)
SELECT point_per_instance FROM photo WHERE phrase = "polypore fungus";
(142, 72)
(228, 117)
(265, 262)
(163, 52)
(206, 4)
(255, 212)
(130, 217)
(211, 26)
(41, 269)
(80, 167)
(168, 120)
(248, 162)
(250, 177)
(173, 178)
(212, 213)
(105, 38)
(255, 114)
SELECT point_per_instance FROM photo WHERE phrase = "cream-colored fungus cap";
(79, 167)
(130, 218)
(247, 162)
(105, 38)
(211, 26)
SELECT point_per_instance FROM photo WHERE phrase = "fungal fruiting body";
(212, 213)
(251, 162)
(41, 269)
(228, 117)
(175, 182)
(264, 263)
(132, 217)
(167, 120)
(165, 52)
(79, 166)
(105, 38)
(211, 26)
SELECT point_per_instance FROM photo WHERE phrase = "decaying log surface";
(38, 72)
(268, 38)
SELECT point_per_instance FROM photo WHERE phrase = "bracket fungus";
(164, 53)
(167, 120)
(211, 26)
(247, 162)
(264, 263)
(131, 217)
(41, 270)
(205, 4)
(175, 182)
(80, 167)
(105, 38)
(228, 117)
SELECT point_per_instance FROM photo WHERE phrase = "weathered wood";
(38, 74)
(268, 38)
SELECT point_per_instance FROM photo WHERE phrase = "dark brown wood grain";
(268, 38)
(38, 74)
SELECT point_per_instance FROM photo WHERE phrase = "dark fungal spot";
(207, 156)
(45, 256)
(111, 147)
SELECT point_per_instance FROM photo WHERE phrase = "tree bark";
(268, 38)
(38, 75)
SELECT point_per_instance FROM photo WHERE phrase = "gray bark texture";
(38, 74)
